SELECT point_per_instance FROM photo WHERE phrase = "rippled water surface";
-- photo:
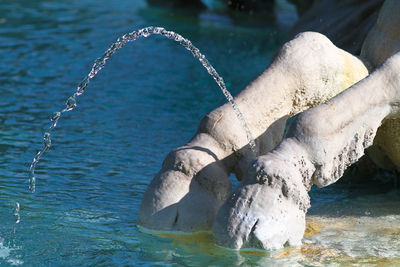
(148, 100)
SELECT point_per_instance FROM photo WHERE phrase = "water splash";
(101, 62)
(11, 245)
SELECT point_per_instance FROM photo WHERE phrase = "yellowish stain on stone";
(309, 251)
(388, 139)
(204, 242)
(370, 261)
(354, 70)
(319, 256)
(313, 227)
(306, 252)
(255, 253)
(389, 231)
(316, 225)
(344, 223)
(286, 253)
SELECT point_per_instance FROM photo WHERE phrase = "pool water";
(147, 101)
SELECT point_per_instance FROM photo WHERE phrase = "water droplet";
(83, 83)
(100, 61)
(16, 213)
(71, 103)
(32, 181)
(178, 38)
(47, 139)
(55, 116)
(145, 33)
(157, 30)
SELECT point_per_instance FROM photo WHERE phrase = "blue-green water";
(147, 101)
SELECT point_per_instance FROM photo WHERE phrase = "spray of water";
(101, 62)
(17, 217)
(13, 233)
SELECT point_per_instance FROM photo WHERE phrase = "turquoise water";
(147, 101)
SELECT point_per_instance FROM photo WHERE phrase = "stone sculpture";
(267, 210)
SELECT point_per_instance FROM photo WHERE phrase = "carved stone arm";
(193, 181)
(268, 208)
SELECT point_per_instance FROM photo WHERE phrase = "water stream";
(101, 62)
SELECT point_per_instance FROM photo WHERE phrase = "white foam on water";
(5, 253)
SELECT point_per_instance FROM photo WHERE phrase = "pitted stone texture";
(382, 42)
(267, 210)
(324, 140)
(193, 183)
(328, 138)
(266, 220)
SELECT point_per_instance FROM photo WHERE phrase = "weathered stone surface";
(382, 41)
(193, 182)
(320, 144)
(267, 210)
